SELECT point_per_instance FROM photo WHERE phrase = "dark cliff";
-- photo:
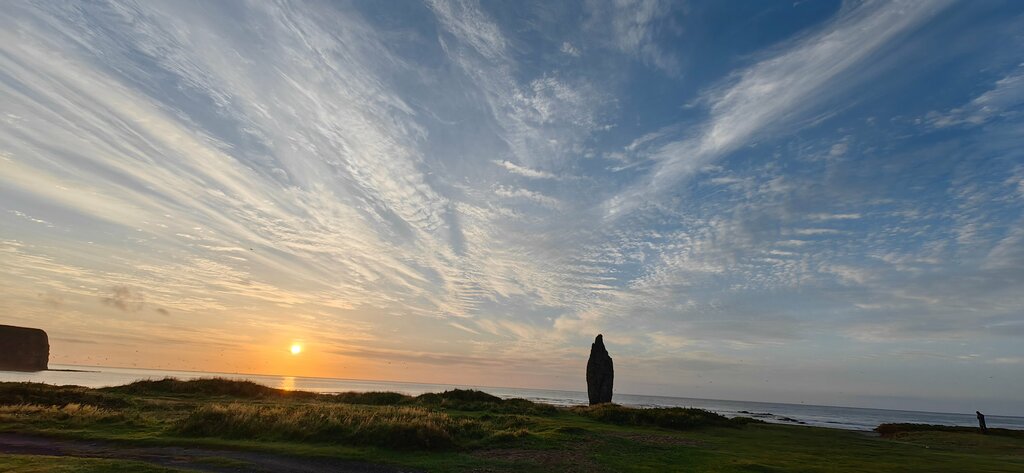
(23, 349)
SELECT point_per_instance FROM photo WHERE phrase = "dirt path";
(186, 458)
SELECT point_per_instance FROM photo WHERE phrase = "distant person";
(981, 422)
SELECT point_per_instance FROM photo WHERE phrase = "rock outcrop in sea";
(600, 373)
(23, 349)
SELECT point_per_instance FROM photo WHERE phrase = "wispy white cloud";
(570, 49)
(1004, 97)
(525, 171)
(780, 90)
(465, 20)
(1010, 360)
(526, 194)
(430, 188)
(634, 26)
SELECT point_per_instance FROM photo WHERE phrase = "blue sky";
(784, 201)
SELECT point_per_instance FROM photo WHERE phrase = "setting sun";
(296, 348)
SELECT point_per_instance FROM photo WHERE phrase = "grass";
(71, 414)
(44, 464)
(469, 430)
(45, 394)
(676, 418)
(204, 387)
(895, 430)
(387, 426)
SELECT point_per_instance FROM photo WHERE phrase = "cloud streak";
(433, 186)
(779, 91)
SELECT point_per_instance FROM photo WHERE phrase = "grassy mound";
(676, 418)
(391, 427)
(235, 409)
(467, 430)
(472, 400)
(47, 395)
(456, 399)
(462, 396)
(893, 430)
(372, 398)
(205, 387)
(71, 414)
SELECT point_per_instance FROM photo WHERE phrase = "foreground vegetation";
(465, 430)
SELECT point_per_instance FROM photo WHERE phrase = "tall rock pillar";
(599, 373)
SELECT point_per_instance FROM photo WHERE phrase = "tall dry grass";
(384, 426)
(45, 394)
(71, 414)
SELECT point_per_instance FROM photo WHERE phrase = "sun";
(296, 348)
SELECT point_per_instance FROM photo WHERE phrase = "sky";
(817, 202)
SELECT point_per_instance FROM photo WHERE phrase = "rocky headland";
(23, 349)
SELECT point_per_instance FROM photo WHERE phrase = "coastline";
(837, 417)
(146, 424)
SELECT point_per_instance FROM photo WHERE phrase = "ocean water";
(850, 418)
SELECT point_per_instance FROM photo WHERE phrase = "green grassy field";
(463, 431)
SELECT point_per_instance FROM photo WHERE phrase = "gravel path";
(185, 458)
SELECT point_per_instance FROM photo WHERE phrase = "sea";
(850, 418)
